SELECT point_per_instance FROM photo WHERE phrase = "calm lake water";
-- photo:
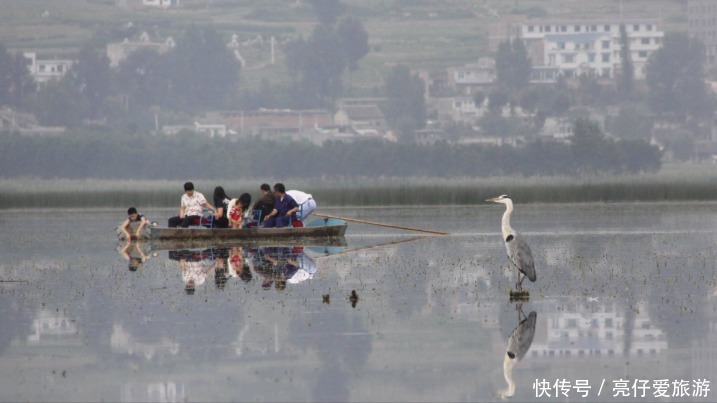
(625, 309)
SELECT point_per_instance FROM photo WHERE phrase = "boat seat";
(254, 219)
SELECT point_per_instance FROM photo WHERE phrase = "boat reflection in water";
(275, 266)
(135, 252)
(518, 345)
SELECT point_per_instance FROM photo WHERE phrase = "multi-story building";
(592, 47)
(702, 24)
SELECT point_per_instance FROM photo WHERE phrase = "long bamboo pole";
(430, 231)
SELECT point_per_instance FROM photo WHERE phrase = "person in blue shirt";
(284, 211)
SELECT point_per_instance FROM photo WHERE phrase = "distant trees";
(626, 79)
(405, 110)
(594, 153)
(110, 154)
(92, 76)
(317, 64)
(201, 72)
(676, 79)
(512, 64)
(15, 80)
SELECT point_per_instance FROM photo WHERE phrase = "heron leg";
(519, 284)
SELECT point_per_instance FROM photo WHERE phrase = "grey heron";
(518, 345)
(518, 250)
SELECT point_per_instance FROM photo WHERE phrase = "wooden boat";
(321, 229)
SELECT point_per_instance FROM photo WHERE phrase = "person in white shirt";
(305, 201)
(192, 208)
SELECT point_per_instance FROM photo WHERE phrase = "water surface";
(625, 306)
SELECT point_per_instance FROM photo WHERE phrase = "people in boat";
(133, 217)
(284, 211)
(267, 200)
(221, 201)
(239, 211)
(305, 201)
(192, 208)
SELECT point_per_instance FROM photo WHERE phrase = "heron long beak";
(494, 200)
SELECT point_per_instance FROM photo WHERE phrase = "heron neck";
(505, 225)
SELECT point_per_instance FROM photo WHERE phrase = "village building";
(119, 51)
(44, 70)
(581, 47)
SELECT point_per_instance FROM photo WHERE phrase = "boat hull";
(335, 230)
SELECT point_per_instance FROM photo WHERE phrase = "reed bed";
(690, 182)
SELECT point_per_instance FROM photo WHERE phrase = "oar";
(430, 231)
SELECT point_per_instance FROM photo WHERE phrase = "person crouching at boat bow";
(284, 211)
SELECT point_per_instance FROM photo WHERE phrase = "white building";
(587, 47)
(119, 51)
(44, 70)
(160, 3)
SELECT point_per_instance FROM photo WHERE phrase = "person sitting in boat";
(239, 211)
(221, 201)
(284, 211)
(267, 200)
(305, 201)
(192, 208)
(133, 219)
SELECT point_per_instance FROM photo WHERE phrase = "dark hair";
(246, 275)
(245, 200)
(279, 187)
(131, 210)
(265, 187)
(219, 193)
(188, 186)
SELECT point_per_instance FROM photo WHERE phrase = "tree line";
(110, 155)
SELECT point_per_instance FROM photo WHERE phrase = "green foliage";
(512, 64)
(105, 154)
(626, 79)
(633, 122)
(59, 103)
(676, 79)
(593, 153)
(93, 78)
(354, 40)
(203, 73)
(405, 110)
(15, 79)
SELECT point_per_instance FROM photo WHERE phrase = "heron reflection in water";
(518, 250)
(518, 345)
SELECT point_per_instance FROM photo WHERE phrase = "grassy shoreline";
(684, 182)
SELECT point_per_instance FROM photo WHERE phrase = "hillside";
(429, 35)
